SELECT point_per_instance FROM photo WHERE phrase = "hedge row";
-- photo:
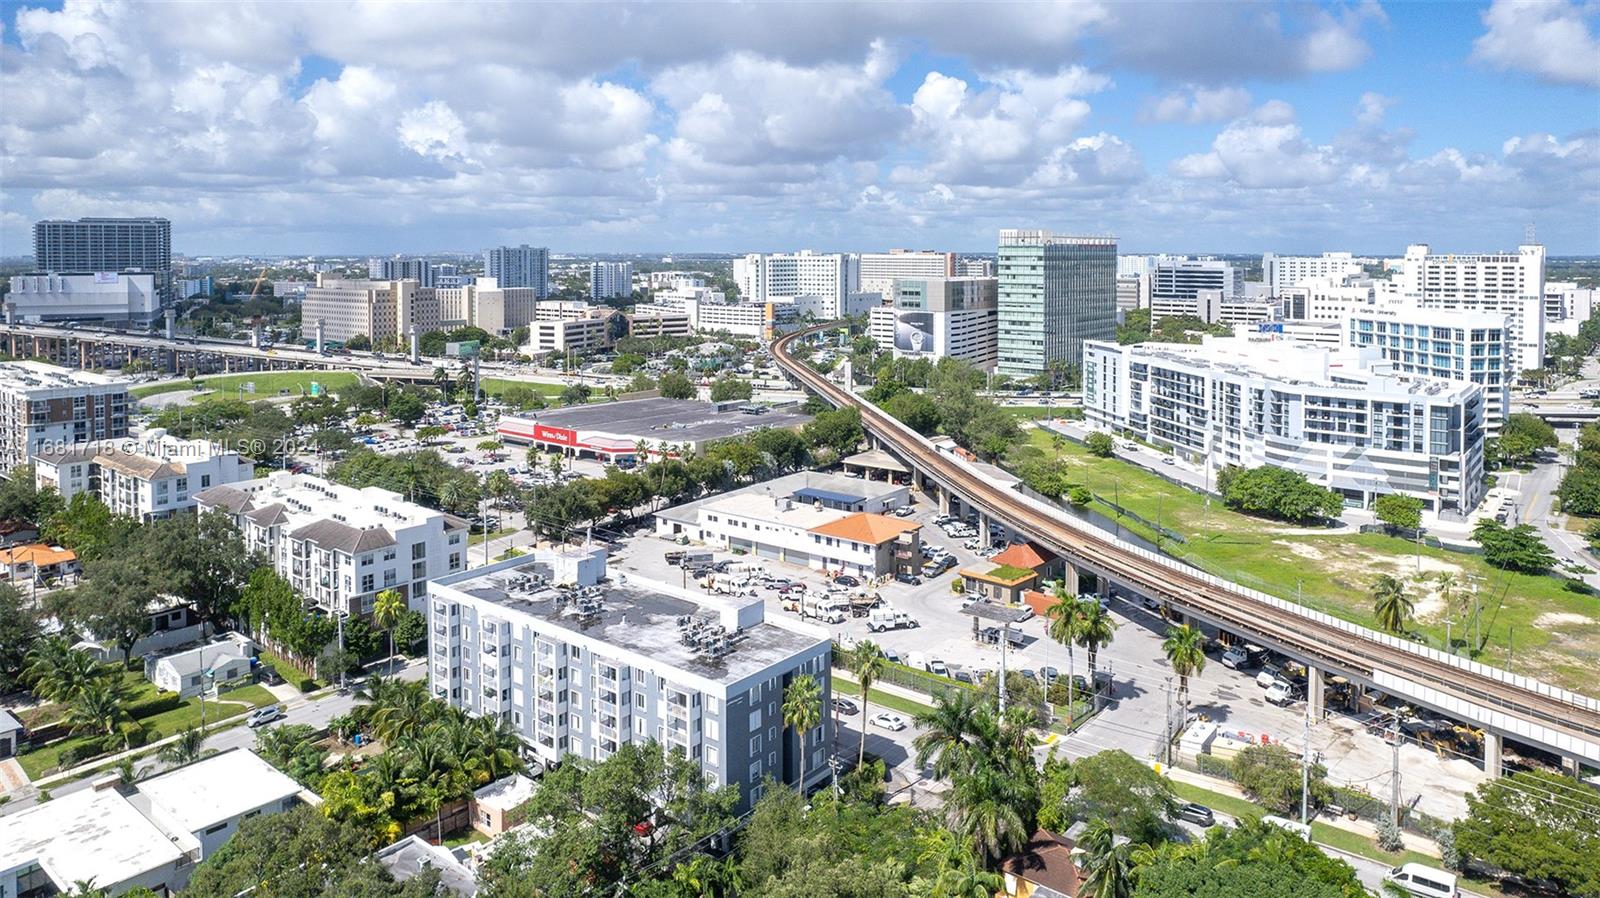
(159, 703)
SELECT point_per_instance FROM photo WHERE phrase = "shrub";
(1211, 765)
(159, 703)
(1080, 496)
(1389, 835)
(1099, 444)
(305, 684)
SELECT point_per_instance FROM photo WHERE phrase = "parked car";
(268, 674)
(1280, 693)
(1269, 675)
(889, 721)
(935, 666)
(911, 579)
(904, 511)
(1047, 675)
(263, 716)
(1198, 814)
(845, 706)
(847, 580)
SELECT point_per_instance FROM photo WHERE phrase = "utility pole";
(1394, 775)
(340, 616)
(1305, 764)
(1005, 637)
(1167, 745)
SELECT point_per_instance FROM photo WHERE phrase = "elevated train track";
(1521, 708)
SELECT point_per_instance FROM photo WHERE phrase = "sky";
(327, 128)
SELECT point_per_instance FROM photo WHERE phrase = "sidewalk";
(1361, 828)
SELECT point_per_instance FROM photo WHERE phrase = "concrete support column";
(983, 530)
(944, 499)
(1493, 749)
(1105, 587)
(1069, 579)
(1314, 692)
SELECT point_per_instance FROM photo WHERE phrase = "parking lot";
(1142, 682)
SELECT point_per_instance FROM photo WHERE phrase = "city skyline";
(1233, 129)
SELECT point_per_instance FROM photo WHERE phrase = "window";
(419, 550)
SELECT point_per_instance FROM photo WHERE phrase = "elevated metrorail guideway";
(1502, 703)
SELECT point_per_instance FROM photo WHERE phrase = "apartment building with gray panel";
(580, 671)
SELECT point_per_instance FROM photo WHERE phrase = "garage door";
(742, 545)
(767, 550)
(794, 557)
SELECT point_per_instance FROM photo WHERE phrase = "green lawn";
(478, 539)
(847, 687)
(494, 386)
(43, 761)
(1033, 412)
(268, 384)
(1555, 634)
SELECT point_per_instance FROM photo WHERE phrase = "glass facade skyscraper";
(1055, 292)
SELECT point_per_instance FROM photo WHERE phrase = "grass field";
(1529, 623)
(268, 384)
(477, 539)
(494, 386)
(1033, 412)
(848, 688)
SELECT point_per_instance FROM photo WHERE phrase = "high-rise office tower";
(1055, 292)
(401, 268)
(519, 266)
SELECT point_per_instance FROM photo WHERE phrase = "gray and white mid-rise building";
(879, 270)
(1466, 346)
(1341, 417)
(401, 268)
(1054, 293)
(519, 266)
(821, 283)
(1176, 284)
(936, 318)
(581, 671)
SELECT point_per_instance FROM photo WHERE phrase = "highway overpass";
(1503, 704)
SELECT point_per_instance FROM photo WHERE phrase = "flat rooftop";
(30, 375)
(640, 617)
(801, 485)
(218, 788)
(90, 834)
(672, 420)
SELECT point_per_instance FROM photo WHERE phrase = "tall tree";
(802, 712)
(867, 663)
(387, 607)
(1538, 825)
(1108, 865)
(19, 629)
(99, 707)
(1065, 626)
(1184, 647)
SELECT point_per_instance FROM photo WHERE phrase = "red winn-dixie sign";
(555, 435)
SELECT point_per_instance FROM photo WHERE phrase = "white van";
(1429, 882)
(1294, 826)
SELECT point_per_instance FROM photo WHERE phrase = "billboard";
(913, 332)
(1266, 327)
(464, 350)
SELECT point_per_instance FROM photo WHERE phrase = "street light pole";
(339, 617)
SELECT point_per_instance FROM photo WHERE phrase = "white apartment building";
(879, 270)
(46, 406)
(815, 521)
(676, 280)
(940, 317)
(975, 268)
(1503, 283)
(95, 296)
(1326, 299)
(1282, 272)
(817, 282)
(340, 546)
(1213, 307)
(581, 672)
(1330, 415)
(1465, 346)
(151, 833)
(610, 279)
(519, 266)
(153, 475)
(658, 324)
(381, 310)
(484, 303)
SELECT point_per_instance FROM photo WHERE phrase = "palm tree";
(387, 608)
(59, 671)
(399, 707)
(1185, 648)
(1108, 865)
(496, 743)
(1065, 624)
(452, 494)
(98, 708)
(499, 485)
(945, 729)
(802, 710)
(43, 659)
(963, 877)
(868, 664)
(1095, 630)
(1449, 590)
(987, 809)
(1390, 604)
(706, 877)
(185, 749)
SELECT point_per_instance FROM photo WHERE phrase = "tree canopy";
(1535, 824)
(1277, 493)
